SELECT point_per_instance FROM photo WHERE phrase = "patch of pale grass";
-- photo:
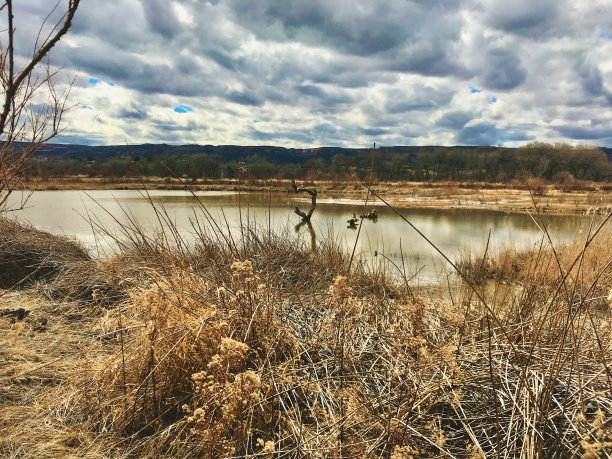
(258, 346)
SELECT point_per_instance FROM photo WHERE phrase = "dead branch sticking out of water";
(313, 194)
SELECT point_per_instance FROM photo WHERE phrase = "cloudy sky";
(311, 73)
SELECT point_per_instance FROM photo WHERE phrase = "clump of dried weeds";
(256, 346)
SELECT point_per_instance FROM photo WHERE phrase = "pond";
(454, 231)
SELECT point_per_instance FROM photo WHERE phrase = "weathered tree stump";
(313, 194)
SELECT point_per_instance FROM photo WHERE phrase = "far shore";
(580, 197)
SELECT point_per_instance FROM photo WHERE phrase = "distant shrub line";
(559, 163)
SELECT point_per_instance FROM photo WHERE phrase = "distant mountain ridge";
(275, 154)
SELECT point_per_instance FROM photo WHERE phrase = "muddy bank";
(517, 197)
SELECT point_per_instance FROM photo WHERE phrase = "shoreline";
(507, 197)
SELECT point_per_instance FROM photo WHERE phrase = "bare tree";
(313, 194)
(24, 125)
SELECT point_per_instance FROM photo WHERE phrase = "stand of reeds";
(247, 343)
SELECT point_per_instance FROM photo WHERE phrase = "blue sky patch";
(183, 109)
(606, 35)
(493, 99)
(110, 83)
(474, 90)
(87, 107)
(94, 81)
(256, 121)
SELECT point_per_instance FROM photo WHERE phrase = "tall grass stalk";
(249, 344)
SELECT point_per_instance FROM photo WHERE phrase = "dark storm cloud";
(431, 58)
(479, 134)
(395, 107)
(134, 72)
(369, 30)
(585, 133)
(592, 80)
(161, 18)
(361, 31)
(416, 98)
(344, 72)
(373, 132)
(455, 120)
(119, 23)
(524, 17)
(403, 36)
(323, 97)
(504, 70)
(132, 112)
(311, 90)
(79, 139)
(517, 135)
(288, 135)
(327, 130)
(169, 126)
(244, 98)
(420, 99)
(223, 59)
(332, 134)
(106, 63)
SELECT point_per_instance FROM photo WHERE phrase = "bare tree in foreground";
(24, 125)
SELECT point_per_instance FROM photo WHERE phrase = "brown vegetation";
(516, 197)
(25, 126)
(543, 262)
(28, 255)
(255, 346)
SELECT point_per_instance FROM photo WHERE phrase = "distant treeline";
(539, 160)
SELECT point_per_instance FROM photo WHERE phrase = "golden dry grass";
(543, 263)
(37, 364)
(515, 196)
(258, 347)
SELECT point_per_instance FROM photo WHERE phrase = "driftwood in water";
(313, 194)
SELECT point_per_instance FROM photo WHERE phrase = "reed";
(247, 343)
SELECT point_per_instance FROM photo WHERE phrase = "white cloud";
(336, 73)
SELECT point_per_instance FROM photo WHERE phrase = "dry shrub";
(543, 265)
(28, 255)
(189, 349)
(256, 346)
(538, 186)
(234, 367)
(61, 267)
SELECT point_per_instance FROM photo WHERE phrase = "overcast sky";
(311, 73)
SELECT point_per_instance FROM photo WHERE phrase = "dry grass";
(586, 267)
(256, 346)
(38, 358)
(562, 197)
(27, 254)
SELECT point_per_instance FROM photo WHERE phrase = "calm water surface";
(455, 231)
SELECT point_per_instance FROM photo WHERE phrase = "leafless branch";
(24, 126)
(313, 194)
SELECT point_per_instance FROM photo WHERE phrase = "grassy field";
(256, 346)
(577, 197)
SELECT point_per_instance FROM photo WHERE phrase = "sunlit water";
(453, 231)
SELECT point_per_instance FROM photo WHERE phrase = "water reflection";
(311, 231)
(453, 231)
